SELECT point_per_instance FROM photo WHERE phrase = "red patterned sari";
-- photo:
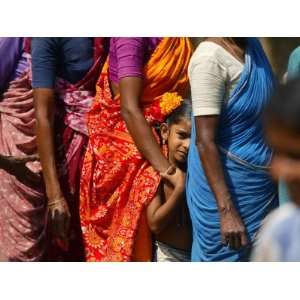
(117, 183)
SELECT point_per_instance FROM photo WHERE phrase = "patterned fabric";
(71, 140)
(117, 182)
(23, 210)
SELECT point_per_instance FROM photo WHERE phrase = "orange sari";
(117, 183)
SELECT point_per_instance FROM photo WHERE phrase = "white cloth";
(166, 253)
(213, 74)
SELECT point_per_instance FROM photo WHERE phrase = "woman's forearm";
(131, 90)
(4, 163)
(46, 153)
(144, 138)
(44, 104)
(212, 165)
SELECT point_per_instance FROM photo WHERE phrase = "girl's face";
(177, 136)
(286, 161)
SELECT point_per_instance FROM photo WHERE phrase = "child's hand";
(177, 179)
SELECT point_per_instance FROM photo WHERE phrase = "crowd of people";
(145, 149)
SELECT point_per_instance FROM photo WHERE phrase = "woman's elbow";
(205, 146)
(41, 119)
(127, 113)
(130, 112)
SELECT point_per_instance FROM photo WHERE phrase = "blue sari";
(245, 158)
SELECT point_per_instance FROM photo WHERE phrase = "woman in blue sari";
(229, 190)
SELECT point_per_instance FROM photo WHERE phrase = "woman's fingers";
(230, 240)
(224, 239)
(61, 225)
(27, 158)
(165, 176)
(68, 222)
(244, 239)
(237, 241)
(234, 240)
(171, 170)
(55, 225)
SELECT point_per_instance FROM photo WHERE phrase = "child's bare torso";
(178, 233)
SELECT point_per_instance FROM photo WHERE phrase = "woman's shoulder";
(207, 49)
(208, 56)
(209, 52)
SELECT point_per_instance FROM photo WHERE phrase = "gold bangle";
(53, 203)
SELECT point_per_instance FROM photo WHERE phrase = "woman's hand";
(16, 166)
(233, 231)
(59, 219)
(131, 91)
(175, 177)
(58, 210)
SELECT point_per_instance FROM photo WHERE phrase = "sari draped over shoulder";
(71, 137)
(23, 205)
(117, 182)
(245, 158)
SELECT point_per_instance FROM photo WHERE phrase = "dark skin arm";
(16, 166)
(159, 212)
(233, 231)
(131, 91)
(59, 215)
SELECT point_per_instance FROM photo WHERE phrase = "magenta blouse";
(127, 56)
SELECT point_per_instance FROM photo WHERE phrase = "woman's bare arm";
(44, 102)
(131, 91)
(232, 228)
(44, 111)
(16, 166)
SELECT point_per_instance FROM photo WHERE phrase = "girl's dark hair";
(184, 111)
(284, 106)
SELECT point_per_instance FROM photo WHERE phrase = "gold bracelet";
(53, 203)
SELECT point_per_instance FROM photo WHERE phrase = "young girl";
(167, 214)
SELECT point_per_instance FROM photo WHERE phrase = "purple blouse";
(12, 60)
(127, 56)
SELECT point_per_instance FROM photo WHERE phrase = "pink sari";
(23, 209)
